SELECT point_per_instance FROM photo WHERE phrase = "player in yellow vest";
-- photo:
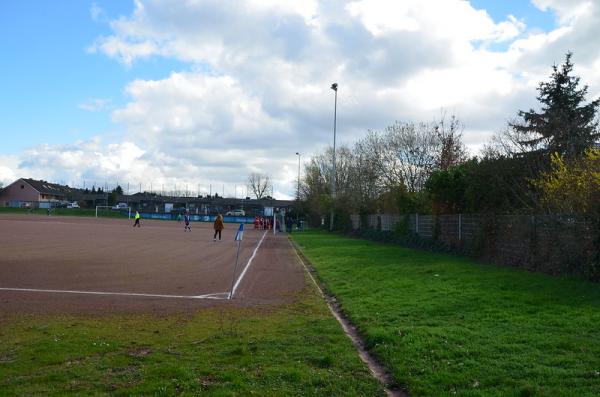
(137, 219)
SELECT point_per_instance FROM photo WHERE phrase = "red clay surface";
(109, 255)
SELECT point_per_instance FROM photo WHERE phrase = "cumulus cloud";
(257, 87)
(94, 162)
(567, 11)
(91, 159)
(94, 104)
(437, 18)
(8, 169)
(97, 13)
(190, 109)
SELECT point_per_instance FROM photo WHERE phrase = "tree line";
(543, 161)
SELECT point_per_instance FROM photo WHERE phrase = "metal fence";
(551, 244)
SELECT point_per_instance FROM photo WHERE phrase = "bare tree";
(260, 184)
(452, 151)
(368, 179)
(319, 171)
(509, 142)
(405, 154)
(382, 164)
(408, 153)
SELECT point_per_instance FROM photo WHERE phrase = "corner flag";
(240, 233)
(238, 237)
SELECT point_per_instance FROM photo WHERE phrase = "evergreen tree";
(565, 124)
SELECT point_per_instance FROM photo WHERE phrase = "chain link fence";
(553, 244)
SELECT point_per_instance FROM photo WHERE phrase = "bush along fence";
(565, 244)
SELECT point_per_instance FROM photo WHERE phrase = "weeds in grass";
(292, 349)
(445, 325)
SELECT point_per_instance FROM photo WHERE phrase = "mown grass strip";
(296, 349)
(445, 325)
(105, 213)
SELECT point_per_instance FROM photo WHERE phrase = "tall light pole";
(334, 87)
(298, 191)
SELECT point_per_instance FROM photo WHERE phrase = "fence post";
(459, 227)
(533, 241)
(417, 224)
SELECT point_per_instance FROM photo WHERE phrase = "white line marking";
(237, 283)
(218, 295)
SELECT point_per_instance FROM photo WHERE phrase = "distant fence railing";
(554, 244)
(196, 217)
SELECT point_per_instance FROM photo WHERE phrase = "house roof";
(45, 187)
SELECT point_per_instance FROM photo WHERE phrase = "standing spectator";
(219, 226)
(289, 224)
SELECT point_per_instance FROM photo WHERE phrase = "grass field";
(293, 349)
(445, 325)
(106, 213)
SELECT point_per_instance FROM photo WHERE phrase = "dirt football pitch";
(98, 265)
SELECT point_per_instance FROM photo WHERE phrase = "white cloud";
(97, 13)
(8, 169)
(126, 52)
(194, 110)
(568, 11)
(94, 104)
(257, 86)
(437, 18)
(94, 162)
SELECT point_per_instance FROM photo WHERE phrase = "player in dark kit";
(186, 221)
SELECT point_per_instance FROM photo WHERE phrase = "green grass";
(445, 325)
(292, 349)
(63, 212)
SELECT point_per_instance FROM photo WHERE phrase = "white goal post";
(108, 207)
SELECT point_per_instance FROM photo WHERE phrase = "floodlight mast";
(298, 191)
(334, 87)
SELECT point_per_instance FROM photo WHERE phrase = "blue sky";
(521, 9)
(204, 92)
(47, 71)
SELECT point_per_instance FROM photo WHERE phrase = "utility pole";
(334, 87)
(298, 191)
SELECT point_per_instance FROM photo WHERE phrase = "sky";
(196, 95)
